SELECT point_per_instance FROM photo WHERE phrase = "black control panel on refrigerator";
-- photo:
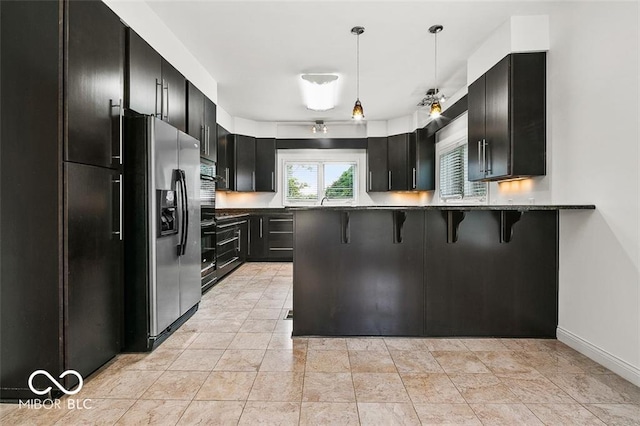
(167, 223)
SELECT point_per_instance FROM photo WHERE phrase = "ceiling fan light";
(358, 112)
(436, 109)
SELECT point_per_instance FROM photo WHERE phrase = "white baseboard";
(612, 362)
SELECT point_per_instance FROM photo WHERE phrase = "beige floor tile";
(405, 344)
(549, 363)
(443, 344)
(329, 413)
(484, 345)
(277, 386)
(102, 412)
(327, 361)
(212, 341)
(159, 359)
(328, 387)
(179, 340)
(250, 295)
(505, 414)
(226, 386)
(285, 341)
(586, 364)
(328, 343)
(459, 362)
(616, 414)
(154, 412)
(197, 360)
(384, 414)
(446, 414)
(270, 413)
(629, 391)
(564, 414)
(270, 304)
(534, 388)
(431, 388)
(415, 362)
(225, 326)
(483, 388)
(21, 416)
(366, 344)
(379, 387)
(284, 360)
(371, 362)
(224, 314)
(240, 360)
(272, 314)
(121, 384)
(504, 362)
(586, 389)
(212, 413)
(258, 326)
(284, 326)
(250, 341)
(176, 385)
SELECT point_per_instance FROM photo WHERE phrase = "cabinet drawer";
(280, 224)
(280, 241)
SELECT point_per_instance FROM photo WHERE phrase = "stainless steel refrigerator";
(161, 231)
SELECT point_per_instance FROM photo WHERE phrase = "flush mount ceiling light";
(319, 91)
(433, 98)
(358, 112)
(319, 127)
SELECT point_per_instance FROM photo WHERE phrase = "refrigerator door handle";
(185, 232)
(180, 186)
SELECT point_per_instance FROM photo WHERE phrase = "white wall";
(143, 20)
(595, 160)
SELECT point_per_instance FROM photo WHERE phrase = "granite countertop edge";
(236, 212)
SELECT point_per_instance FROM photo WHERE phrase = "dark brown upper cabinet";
(153, 86)
(201, 121)
(94, 85)
(397, 151)
(378, 173)
(265, 165)
(506, 121)
(225, 164)
(245, 161)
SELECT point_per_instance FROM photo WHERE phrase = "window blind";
(302, 182)
(454, 176)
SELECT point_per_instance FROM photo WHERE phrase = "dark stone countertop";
(505, 207)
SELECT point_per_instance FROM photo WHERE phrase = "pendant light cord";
(435, 62)
(358, 67)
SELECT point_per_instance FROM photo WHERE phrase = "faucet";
(323, 198)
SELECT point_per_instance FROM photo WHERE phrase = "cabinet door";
(93, 268)
(243, 240)
(95, 56)
(397, 151)
(210, 129)
(256, 238)
(476, 128)
(174, 97)
(378, 177)
(144, 76)
(245, 171)
(266, 165)
(195, 115)
(412, 167)
(425, 162)
(225, 160)
(497, 120)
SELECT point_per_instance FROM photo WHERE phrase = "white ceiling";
(256, 50)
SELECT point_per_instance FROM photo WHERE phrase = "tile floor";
(234, 362)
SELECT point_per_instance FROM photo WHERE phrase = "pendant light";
(433, 98)
(358, 112)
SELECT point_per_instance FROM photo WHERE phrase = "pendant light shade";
(358, 112)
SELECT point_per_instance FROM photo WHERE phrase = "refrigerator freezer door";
(164, 273)
(190, 262)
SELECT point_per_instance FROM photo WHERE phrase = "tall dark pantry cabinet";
(60, 179)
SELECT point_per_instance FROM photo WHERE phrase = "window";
(454, 176)
(308, 182)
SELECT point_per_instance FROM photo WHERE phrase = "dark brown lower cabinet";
(358, 273)
(479, 286)
(271, 237)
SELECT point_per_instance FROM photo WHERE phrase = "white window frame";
(320, 183)
(443, 147)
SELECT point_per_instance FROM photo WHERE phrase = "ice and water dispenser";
(167, 216)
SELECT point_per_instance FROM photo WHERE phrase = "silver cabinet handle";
(253, 180)
(414, 178)
(260, 227)
(165, 100)
(480, 157)
(273, 182)
(484, 156)
(159, 115)
(370, 177)
(208, 147)
(249, 239)
(119, 105)
(389, 180)
(226, 176)
(239, 240)
(120, 231)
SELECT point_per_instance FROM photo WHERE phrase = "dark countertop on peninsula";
(503, 207)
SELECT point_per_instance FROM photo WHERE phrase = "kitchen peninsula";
(427, 271)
